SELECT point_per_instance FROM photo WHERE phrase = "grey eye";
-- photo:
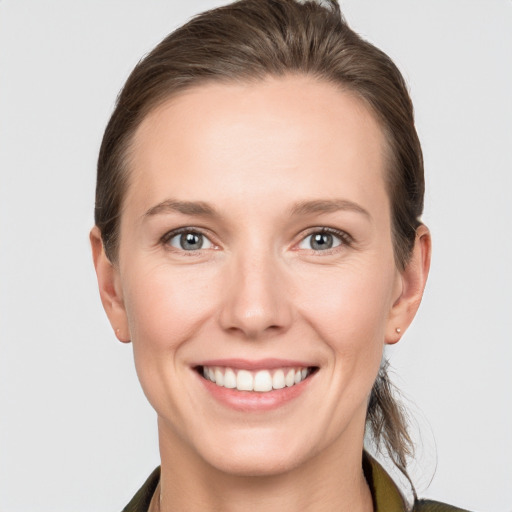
(190, 241)
(320, 241)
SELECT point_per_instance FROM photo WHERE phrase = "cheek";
(349, 307)
(166, 305)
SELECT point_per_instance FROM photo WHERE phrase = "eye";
(323, 240)
(188, 240)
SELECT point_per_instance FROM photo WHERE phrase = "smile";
(261, 381)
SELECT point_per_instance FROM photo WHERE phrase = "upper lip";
(259, 364)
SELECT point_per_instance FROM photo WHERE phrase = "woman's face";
(255, 245)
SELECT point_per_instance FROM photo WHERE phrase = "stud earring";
(398, 330)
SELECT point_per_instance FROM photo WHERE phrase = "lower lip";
(247, 401)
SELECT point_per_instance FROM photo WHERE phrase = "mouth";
(263, 380)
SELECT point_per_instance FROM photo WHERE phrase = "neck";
(331, 481)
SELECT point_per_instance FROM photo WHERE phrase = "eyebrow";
(184, 207)
(200, 208)
(327, 206)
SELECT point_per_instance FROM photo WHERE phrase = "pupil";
(321, 241)
(191, 241)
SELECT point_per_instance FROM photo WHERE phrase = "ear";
(412, 282)
(110, 287)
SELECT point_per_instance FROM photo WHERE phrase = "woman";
(258, 239)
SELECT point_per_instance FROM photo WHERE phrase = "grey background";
(75, 430)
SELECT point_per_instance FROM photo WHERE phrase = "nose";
(256, 297)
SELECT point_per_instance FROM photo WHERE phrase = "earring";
(398, 330)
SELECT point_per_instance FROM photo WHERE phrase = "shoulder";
(435, 506)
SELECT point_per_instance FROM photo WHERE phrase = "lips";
(256, 386)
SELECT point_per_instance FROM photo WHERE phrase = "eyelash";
(165, 240)
(344, 238)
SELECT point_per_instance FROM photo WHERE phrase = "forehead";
(285, 136)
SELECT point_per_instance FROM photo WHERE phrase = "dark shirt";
(385, 494)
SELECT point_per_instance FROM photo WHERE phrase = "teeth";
(261, 381)
(244, 381)
(229, 379)
(290, 378)
(278, 380)
(219, 377)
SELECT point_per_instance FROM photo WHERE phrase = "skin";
(257, 289)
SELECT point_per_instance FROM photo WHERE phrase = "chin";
(256, 455)
(255, 464)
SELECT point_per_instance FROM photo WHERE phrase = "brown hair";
(248, 41)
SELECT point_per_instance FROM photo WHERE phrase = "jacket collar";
(385, 493)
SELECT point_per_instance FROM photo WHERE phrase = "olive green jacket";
(385, 493)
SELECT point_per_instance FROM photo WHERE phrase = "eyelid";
(169, 235)
(346, 239)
